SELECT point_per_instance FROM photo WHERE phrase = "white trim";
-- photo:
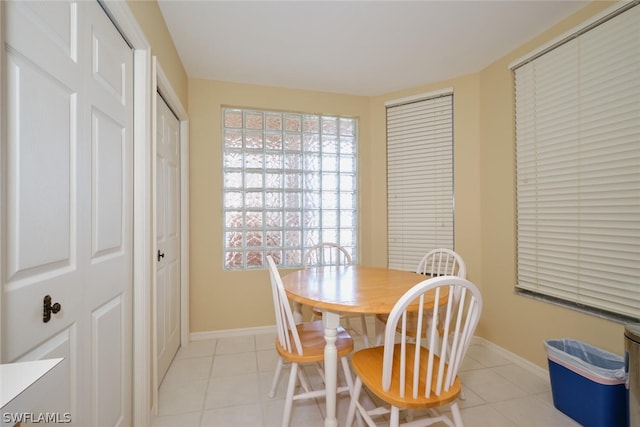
(3, 157)
(230, 333)
(142, 239)
(419, 97)
(512, 357)
(142, 255)
(169, 94)
(568, 35)
(126, 23)
(155, 381)
(184, 232)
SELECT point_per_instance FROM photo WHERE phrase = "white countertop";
(17, 377)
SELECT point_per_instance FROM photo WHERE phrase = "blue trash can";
(587, 383)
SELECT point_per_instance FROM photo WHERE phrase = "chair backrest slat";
(416, 360)
(446, 343)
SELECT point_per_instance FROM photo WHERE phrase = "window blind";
(578, 169)
(419, 179)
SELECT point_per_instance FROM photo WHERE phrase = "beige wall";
(240, 299)
(484, 204)
(151, 21)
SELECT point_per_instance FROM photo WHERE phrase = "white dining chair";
(437, 262)
(406, 373)
(302, 344)
(442, 262)
(328, 254)
(325, 254)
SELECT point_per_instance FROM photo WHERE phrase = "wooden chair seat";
(312, 339)
(367, 364)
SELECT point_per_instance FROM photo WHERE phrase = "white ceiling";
(351, 47)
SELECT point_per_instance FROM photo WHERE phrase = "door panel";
(54, 40)
(59, 345)
(108, 370)
(109, 162)
(51, 144)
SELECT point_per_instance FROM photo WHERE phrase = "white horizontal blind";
(578, 169)
(419, 179)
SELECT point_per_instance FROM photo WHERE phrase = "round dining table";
(352, 289)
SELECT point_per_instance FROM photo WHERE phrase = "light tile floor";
(224, 383)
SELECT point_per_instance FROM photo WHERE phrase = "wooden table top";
(354, 288)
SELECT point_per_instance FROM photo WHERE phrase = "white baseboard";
(531, 367)
(229, 333)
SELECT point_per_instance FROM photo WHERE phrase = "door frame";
(149, 77)
(161, 84)
(3, 135)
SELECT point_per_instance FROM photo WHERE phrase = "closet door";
(67, 205)
(167, 290)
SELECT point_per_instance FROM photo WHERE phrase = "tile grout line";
(209, 377)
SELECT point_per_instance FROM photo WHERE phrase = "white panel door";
(168, 236)
(67, 204)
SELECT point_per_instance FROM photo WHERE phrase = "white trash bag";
(586, 359)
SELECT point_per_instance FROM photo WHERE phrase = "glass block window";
(290, 182)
